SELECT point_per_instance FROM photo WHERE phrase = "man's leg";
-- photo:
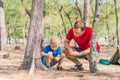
(71, 58)
(78, 65)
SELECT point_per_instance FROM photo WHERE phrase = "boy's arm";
(43, 54)
(47, 55)
(57, 58)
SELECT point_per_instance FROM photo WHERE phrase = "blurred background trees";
(59, 16)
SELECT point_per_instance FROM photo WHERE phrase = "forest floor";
(8, 68)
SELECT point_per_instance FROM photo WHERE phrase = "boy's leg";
(61, 59)
(48, 61)
(59, 67)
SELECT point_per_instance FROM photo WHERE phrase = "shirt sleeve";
(46, 49)
(59, 51)
(69, 35)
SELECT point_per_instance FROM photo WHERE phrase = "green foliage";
(15, 16)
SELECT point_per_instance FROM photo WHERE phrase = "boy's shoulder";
(59, 47)
(48, 45)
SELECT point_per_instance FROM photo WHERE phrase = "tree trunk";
(93, 41)
(80, 13)
(108, 34)
(107, 27)
(15, 31)
(60, 9)
(117, 32)
(35, 36)
(3, 37)
(86, 11)
(68, 16)
(91, 7)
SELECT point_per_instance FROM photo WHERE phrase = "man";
(82, 36)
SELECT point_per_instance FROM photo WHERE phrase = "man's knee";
(65, 52)
(62, 54)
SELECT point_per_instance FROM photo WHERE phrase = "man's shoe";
(78, 67)
(60, 68)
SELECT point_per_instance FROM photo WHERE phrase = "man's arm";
(84, 52)
(67, 45)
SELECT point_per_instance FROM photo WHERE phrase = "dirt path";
(8, 68)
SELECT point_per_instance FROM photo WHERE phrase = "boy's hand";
(50, 55)
(57, 58)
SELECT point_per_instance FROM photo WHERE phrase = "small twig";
(26, 9)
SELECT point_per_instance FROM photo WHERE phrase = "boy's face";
(54, 46)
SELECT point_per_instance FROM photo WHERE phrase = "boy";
(52, 55)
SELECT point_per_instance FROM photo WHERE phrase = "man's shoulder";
(71, 28)
(88, 28)
(70, 31)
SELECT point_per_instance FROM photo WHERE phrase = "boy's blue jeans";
(53, 62)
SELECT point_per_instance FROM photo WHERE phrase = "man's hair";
(79, 24)
(54, 40)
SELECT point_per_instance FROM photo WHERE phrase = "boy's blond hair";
(54, 40)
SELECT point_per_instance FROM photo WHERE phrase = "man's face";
(77, 32)
(54, 46)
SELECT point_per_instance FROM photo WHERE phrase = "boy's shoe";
(78, 67)
(60, 68)
(49, 67)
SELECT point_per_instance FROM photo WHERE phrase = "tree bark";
(93, 41)
(35, 36)
(86, 11)
(107, 27)
(68, 16)
(3, 37)
(117, 32)
(60, 9)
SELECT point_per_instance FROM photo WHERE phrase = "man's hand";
(75, 53)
